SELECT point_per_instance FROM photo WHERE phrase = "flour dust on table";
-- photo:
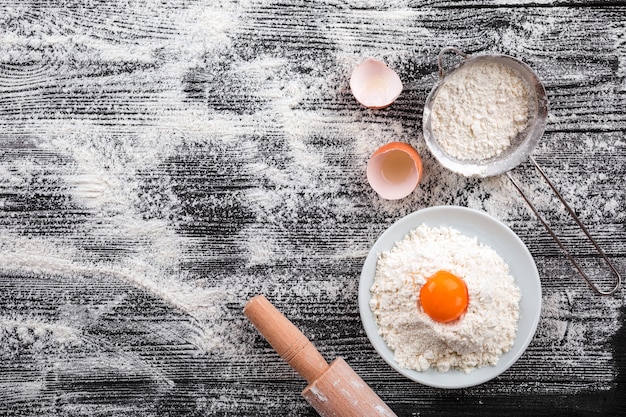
(163, 161)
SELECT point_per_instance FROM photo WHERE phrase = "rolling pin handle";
(290, 343)
(334, 390)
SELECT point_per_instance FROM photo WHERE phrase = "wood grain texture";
(162, 162)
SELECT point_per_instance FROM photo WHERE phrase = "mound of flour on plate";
(480, 337)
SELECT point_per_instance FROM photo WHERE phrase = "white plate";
(489, 231)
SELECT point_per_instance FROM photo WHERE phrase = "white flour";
(479, 110)
(303, 151)
(480, 337)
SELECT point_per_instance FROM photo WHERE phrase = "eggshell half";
(394, 170)
(374, 84)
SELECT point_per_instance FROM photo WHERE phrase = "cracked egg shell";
(374, 84)
(394, 170)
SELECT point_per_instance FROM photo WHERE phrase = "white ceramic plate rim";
(488, 231)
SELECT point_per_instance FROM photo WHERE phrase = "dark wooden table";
(162, 162)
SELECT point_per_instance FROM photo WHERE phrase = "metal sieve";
(519, 150)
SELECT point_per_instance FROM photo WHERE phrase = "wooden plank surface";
(162, 162)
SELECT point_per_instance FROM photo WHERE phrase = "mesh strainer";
(519, 150)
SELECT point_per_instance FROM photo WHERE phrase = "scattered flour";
(31, 332)
(300, 153)
(100, 166)
(479, 110)
(480, 337)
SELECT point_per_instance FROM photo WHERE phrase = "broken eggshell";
(394, 170)
(374, 84)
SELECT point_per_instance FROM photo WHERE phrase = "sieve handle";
(578, 222)
(444, 51)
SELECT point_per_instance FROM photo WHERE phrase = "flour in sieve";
(479, 110)
(480, 337)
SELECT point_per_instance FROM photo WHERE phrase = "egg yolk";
(444, 297)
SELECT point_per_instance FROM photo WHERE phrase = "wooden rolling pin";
(334, 390)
